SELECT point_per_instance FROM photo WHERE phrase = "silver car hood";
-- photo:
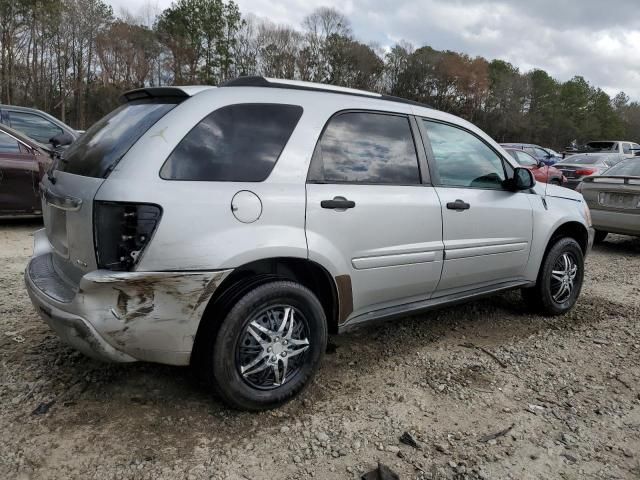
(550, 190)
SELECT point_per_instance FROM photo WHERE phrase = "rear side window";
(100, 148)
(8, 144)
(237, 143)
(369, 148)
(34, 126)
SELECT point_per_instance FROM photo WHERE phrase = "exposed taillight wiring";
(121, 232)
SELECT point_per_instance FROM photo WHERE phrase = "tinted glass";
(525, 159)
(462, 159)
(34, 126)
(629, 168)
(603, 146)
(361, 147)
(8, 144)
(238, 143)
(101, 147)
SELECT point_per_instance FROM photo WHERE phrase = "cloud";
(590, 38)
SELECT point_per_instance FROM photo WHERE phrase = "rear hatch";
(70, 187)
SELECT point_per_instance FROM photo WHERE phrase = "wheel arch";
(571, 229)
(333, 293)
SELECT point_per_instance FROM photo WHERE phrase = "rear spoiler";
(612, 179)
(162, 92)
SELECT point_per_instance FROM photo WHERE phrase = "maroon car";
(22, 164)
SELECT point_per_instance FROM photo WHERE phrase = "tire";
(236, 346)
(600, 236)
(546, 296)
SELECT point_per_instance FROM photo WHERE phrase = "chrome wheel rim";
(273, 347)
(563, 277)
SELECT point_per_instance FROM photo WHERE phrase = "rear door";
(77, 176)
(18, 177)
(371, 212)
(487, 230)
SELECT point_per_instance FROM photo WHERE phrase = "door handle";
(338, 203)
(458, 205)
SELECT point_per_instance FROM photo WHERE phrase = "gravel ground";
(487, 390)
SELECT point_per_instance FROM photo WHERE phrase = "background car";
(35, 124)
(536, 151)
(614, 199)
(542, 173)
(22, 164)
(576, 167)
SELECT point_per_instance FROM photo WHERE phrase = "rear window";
(237, 143)
(583, 160)
(100, 148)
(629, 168)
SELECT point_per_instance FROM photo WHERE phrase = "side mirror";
(61, 140)
(522, 179)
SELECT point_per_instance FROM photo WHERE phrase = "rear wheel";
(559, 280)
(268, 347)
(600, 236)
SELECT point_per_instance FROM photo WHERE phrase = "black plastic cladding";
(257, 81)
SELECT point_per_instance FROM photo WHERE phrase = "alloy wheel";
(563, 277)
(272, 347)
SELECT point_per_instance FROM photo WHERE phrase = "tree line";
(73, 58)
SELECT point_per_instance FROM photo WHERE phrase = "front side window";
(462, 159)
(34, 126)
(366, 148)
(626, 148)
(237, 143)
(8, 144)
(525, 159)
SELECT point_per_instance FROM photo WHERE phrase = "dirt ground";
(561, 396)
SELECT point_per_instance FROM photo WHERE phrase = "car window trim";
(20, 142)
(431, 156)
(284, 147)
(423, 172)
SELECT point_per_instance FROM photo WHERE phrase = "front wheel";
(268, 347)
(559, 280)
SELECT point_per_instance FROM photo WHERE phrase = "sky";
(597, 39)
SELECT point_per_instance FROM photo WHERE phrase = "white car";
(235, 227)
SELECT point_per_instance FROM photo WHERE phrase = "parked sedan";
(22, 164)
(581, 165)
(614, 199)
(542, 173)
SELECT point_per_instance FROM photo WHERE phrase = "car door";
(34, 126)
(487, 230)
(18, 177)
(371, 213)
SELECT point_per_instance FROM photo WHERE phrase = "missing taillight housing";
(121, 231)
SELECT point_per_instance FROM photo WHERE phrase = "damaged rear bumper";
(123, 316)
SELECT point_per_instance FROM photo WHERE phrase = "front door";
(487, 230)
(19, 174)
(370, 216)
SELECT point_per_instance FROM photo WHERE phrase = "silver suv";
(234, 228)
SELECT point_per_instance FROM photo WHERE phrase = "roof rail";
(259, 81)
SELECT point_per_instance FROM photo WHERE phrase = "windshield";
(628, 168)
(602, 146)
(101, 147)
